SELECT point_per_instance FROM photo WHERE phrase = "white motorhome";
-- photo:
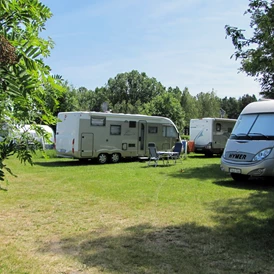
(3, 131)
(210, 134)
(249, 150)
(110, 136)
(47, 143)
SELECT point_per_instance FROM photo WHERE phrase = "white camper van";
(210, 134)
(249, 150)
(110, 136)
(4, 131)
(47, 143)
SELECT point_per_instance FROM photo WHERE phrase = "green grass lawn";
(61, 216)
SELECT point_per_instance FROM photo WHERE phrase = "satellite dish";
(222, 113)
(104, 106)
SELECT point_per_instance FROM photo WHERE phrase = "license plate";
(235, 170)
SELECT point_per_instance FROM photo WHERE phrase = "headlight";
(208, 146)
(261, 155)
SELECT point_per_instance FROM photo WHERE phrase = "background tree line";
(134, 92)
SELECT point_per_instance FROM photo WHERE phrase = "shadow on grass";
(210, 171)
(3, 189)
(75, 162)
(252, 184)
(241, 242)
(213, 172)
(60, 163)
(202, 156)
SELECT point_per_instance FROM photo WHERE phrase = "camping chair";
(153, 156)
(177, 148)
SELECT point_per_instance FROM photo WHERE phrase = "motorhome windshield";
(254, 126)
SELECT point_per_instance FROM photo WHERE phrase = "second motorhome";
(46, 141)
(210, 135)
(111, 136)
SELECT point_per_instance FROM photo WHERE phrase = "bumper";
(262, 168)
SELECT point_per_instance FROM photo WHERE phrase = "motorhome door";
(142, 132)
(220, 133)
(87, 144)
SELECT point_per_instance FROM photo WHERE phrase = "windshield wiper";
(238, 136)
(258, 134)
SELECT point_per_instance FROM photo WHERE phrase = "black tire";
(115, 158)
(102, 158)
(239, 177)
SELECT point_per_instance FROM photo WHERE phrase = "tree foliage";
(23, 73)
(189, 105)
(134, 92)
(131, 88)
(231, 107)
(208, 104)
(257, 52)
(245, 100)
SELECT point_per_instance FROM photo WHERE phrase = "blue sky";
(179, 42)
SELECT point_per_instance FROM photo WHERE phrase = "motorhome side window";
(218, 127)
(132, 124)
(152, 129)
(97, 121)
(115, 130)
(169, 131)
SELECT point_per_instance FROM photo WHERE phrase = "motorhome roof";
(215, 119)
(106, 113)
(120, 116)
(110, 114)
(259, 107)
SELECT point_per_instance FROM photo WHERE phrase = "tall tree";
(189, 105)
(86, 99)
(208, 104)
(132, 87)
(101, 96)
(231, 107)
(257, 52)
(23, 73)
(177, 93)
(68, 100)
(168, 106)
(245, 100)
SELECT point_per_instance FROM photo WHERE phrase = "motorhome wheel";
(102, 158)
(115, 157)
